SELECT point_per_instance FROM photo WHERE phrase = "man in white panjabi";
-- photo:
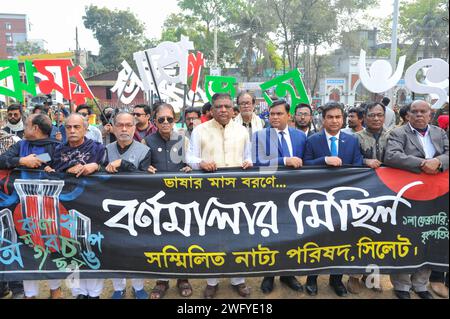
(220, 143)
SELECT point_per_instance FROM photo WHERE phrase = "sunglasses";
(161, 120)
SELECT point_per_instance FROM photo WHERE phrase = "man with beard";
(192, 119)
(15, 121)
(355, 120)
(144, 126)
(304, 119)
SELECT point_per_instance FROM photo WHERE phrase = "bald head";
(420, 114)
(421, 102)
(76, 129)
(79, 118)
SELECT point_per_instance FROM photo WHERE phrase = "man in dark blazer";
(279, 146)
(334, 148)
(420, 148)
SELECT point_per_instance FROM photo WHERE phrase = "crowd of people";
(228, 134)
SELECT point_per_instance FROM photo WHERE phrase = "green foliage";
(118, 32)
(29, 48)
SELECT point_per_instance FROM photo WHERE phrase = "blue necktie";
(334, 150)
(284, 146)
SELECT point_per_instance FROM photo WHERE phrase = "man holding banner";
(80, 156)
(333, 148)
(126, 155)
(167, 149)
(221, 143)
(287, 146)
(420, 148)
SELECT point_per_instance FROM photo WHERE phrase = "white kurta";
(227, 146)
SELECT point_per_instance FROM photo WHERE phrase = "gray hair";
(85, 121)
(123, 113)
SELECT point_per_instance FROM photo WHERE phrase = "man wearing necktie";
(333, 148)
(279, 146)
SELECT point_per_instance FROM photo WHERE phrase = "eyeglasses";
(13, 115)
(191, 119)
(161, 120)
(245, 103)
(138, 114)
(124, 125)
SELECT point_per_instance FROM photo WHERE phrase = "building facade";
(13, 30)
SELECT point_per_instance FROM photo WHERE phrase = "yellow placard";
(50, 56)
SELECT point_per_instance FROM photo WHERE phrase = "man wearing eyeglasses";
(15, 123)
(221, 143)
(167, 155)
(304, 119)
(126, 155)
(373, 139)
(144, 127)
(247, 117)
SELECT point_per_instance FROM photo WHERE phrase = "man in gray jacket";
(420, 148)
(126, 155)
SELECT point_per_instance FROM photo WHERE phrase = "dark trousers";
(15, 286)
(3, 287)
(333, 278)
(437, 276)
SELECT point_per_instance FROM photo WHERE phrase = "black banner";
(226, 224)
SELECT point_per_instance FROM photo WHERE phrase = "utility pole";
(77, 48)
(216, 22)
(308, 65)
(394, 45)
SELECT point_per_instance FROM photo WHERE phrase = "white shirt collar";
(417, 132)
(329, 136)
(286, 130)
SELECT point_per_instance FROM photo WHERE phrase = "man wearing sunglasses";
(166, 155)
(93, 133)
(221, 143)
(144, 127)
(15, 123)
